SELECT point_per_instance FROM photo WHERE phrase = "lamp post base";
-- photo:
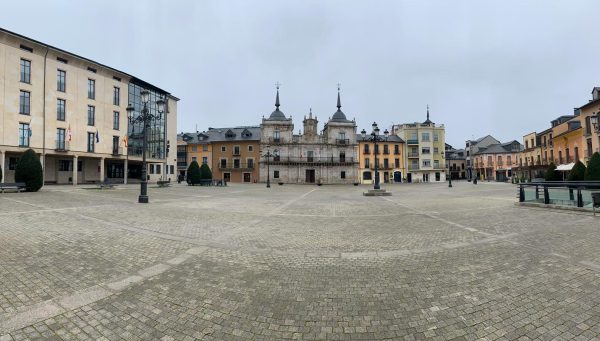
(377, 193)
(143, 199)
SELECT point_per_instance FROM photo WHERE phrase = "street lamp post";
(145, 117)
(594, 121)
(449, 177)
(375, 137)
(268, 155)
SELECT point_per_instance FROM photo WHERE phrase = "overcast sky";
(504, 68)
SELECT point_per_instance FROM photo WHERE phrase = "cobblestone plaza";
(295, 263)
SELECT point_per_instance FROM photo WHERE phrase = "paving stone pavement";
(295, 263)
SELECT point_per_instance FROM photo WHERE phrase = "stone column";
(75, 170)
(101, 169)
(125, 170)
(3, 166)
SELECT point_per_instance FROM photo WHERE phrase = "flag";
(69, 135)
(125, 141)
(97, 136)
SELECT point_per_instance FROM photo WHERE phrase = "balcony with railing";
(413, 155)
(275, 140)
(117, 151)
(324, 161)
(366, 152)
(413, 167)
(412, 141)
(343, 142)
(242, 166)
(382, 166)
(62, 146)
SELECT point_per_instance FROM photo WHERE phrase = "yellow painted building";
(390, 156)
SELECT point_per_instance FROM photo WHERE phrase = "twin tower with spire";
(327, 157)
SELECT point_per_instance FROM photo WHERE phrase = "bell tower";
(310, 124)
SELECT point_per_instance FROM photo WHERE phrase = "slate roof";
(501, 148)
(391, 138)
(251, 133)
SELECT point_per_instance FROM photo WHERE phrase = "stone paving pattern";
(295, 263)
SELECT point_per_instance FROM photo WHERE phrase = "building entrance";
(310, 176)
(397, 176)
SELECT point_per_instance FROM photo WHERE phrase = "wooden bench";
(163, 183)
(15, 186)
(595, 201)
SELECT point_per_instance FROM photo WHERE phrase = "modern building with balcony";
(425, 150)
(72, 112)
(390, 157)
(311, 157)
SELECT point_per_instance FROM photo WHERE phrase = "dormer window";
(246, 133)
(229, 134)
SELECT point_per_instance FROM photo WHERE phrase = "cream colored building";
(72, 112)
(425, 150)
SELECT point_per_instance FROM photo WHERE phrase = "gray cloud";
(505, 68)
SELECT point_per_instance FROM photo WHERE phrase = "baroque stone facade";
(329, 157)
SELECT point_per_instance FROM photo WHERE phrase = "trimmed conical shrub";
(578, 172)
(205, 173)
(552, 173)
(193, 174)
(29, 170)
(592, 173)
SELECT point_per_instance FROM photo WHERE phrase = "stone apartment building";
(231, 153)
(329, 157)
(425, 149)
(235, 153)
(72, 112)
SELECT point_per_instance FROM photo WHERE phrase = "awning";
(566, 167)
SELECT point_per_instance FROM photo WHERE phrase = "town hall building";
(329, 157)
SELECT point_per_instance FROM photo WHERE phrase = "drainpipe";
(44, 121)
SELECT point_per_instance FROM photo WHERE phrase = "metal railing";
(342, 141)
(413, 154)
(62, 146)
(117, 151)
(413, 167)
(238, 166)
(313, 160)
(561, 193)
(382, 166)
(412, 141)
